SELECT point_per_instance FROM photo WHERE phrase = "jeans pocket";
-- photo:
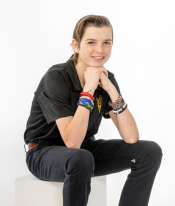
(37, 147)
(32, 150)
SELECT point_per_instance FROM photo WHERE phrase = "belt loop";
(25, 147)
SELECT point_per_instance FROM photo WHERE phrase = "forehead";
(97, 33)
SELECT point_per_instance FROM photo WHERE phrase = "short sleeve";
(109, 108)
(54, 100)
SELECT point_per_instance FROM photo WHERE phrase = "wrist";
(113, 93)
(89, 89)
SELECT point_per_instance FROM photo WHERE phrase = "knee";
(85, 158)
(81, 161)
(156, 152)
(153, 152)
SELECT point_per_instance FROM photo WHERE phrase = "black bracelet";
(84, 106)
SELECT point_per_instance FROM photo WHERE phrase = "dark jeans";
(75, 167)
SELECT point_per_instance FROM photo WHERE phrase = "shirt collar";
(73, 76)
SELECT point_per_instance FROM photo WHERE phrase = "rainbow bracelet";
(83, 102)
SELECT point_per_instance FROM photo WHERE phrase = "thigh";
(48, 162)
(115, 155)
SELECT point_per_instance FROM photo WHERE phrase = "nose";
(99, 49)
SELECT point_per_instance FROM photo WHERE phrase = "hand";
(92, 76)
(106, 73)
(104, 82)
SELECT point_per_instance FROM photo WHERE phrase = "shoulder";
(55, 78)
(56, 71)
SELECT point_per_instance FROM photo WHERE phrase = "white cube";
(31, 191)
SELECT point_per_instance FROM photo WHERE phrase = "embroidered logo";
(133, 160)
(99, 103)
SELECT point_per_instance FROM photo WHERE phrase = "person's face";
(101, 46)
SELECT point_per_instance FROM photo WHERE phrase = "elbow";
(74, 147)
(72, 144)
(134, 140)
(69, 145)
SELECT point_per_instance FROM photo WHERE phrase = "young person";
(66, 112)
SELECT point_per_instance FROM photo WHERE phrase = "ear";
(75, 46)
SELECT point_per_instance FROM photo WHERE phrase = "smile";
(98, 59)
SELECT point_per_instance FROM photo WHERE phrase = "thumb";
(85, 76)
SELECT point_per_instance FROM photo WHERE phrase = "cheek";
(88, 49)
(108, 49)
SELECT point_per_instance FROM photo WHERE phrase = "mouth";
(98, 59)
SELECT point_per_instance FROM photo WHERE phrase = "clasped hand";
(104, 81)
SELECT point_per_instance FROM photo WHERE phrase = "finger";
(105, 72)
(84, 75)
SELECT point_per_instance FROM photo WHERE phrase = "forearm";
(124, 121)
(76, 130)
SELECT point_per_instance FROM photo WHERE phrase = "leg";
(143, 158)
(57, 163)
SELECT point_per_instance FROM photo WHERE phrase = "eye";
(93, 42)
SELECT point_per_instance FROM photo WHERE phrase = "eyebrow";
(96, 40)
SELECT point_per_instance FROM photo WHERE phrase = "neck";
(80, 73)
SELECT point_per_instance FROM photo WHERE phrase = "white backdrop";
(34, 35)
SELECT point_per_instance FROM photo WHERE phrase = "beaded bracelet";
(119, 105)
(84, 96)
(110, 103)
(118, 111)
(87, 101)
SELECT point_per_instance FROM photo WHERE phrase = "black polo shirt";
(56, 96)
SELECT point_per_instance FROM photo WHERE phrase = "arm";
(77, 128)
(124, 121)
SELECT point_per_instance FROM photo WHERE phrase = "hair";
(83, 23)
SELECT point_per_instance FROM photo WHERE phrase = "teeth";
(98, 57)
